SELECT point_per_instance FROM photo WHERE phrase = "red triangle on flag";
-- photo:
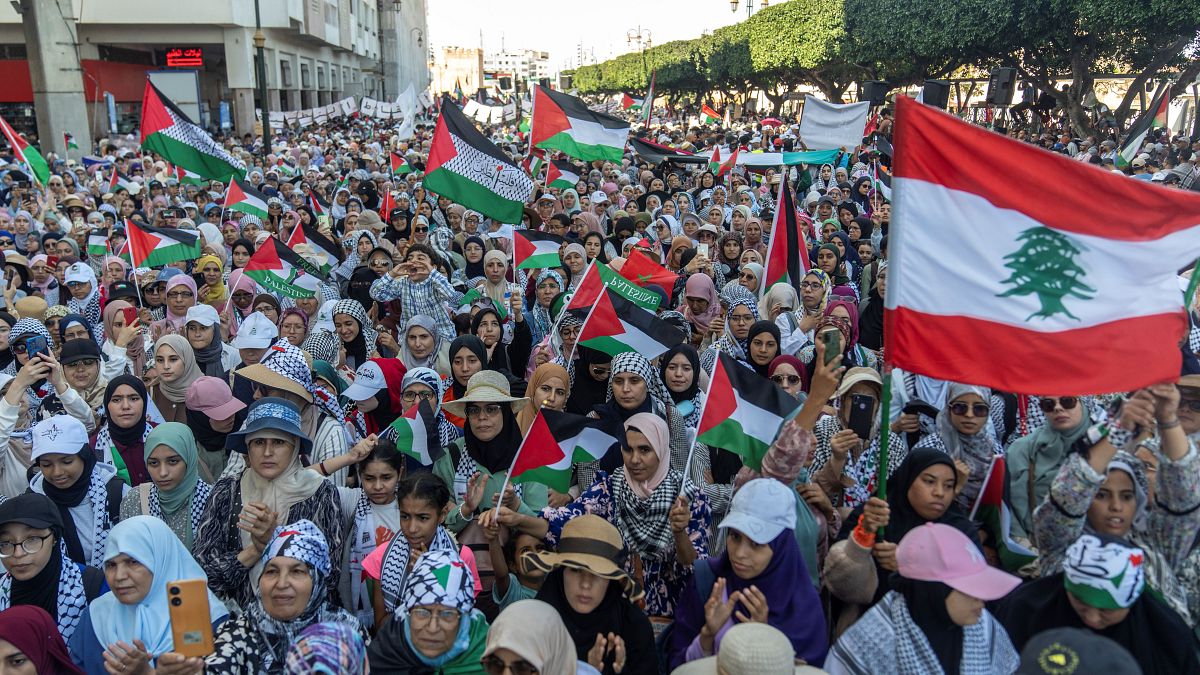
(442, 149)
(602, 320)
(155, 117)
(548, 118)
(540, 448)
(234, 195)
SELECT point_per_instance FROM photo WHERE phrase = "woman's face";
(574, 262)
(179, 299)
(485, 419)
(1113, 508)
(826, 172)
(433, 635)
(285, 586)
(679, 374)
(380, 263)
(546, 291)
(731, 249)
(61, 470)
(1060, 417)
(363, 247)
(270, 457)
(697, 306)
(21, 565)
(568, 335)
(963, 609)
(690, 226)
(242, 299)
(968, 414)
(740, 320)
(716, 216)
(81, 374)
(845, 217)
(639, 457)
(811, 292)
(464, 364)
(229, 233)
(853, 229)
(126, 408)
(841, 245)
(473, 252)
(76, 331)
(1095, 618)
(628, 390)
(748, 281)
(763, 349)
(738, 221)
(378, 481)
(241, 255)
(293, 329)
(930, 494)
(786, 377)
(415, 393)
(568, 200)
(494, 270)
(198, 335)
(211, 271)
(753, 230)
(346, 326)
(827, 232)
(827, 261)
(419, 341)
(168, 363)
(551, 393)
(471, 224)
(128, 579)
(166, 468)
(489, 330)
(747, 558)
(79, 289)
(584, 590)
(419, 520)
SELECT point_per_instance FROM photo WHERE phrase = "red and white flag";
(1023, 270)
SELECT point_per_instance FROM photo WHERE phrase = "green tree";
(1045, 266)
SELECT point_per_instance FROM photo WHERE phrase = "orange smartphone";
(191, 627)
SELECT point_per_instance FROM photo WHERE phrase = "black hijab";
(498, 361)
(759, 327)
(870, 321)
(614, 614)
(66, 498)
(689, 352)
(42, 589)
(497, 454)
(209, 358)
(6, 356)
(133, 435)
(473, 269)
(903, 516)
(926, 601)
(475, 345)
(359, 286)
(586, 391)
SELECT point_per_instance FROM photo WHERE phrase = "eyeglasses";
(76, 284)
(1192, 404)
(82, 363)
(494, 665)
(568, 332)
(420, 615)
(381, 263)
(741, 318)
(31, 544)
(180, 295)
(410, 396)
(7, 242)
(601, 371)
(810, 286)
(960, 408)
(1067, 403)
(489, 410)
(782, 380)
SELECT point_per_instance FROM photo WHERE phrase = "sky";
(559, 26)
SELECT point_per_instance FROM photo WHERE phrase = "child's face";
(528, 544)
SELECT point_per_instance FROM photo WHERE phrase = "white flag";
(828, 126)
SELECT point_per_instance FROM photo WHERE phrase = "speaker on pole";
(1001, 86)
(936, 93)
(875, 91)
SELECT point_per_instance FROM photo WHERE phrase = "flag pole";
(1190, 295)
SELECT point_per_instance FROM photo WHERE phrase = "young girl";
(516, 578)
(376, 520)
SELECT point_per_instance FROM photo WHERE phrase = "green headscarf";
(179, 438)
(327, 372)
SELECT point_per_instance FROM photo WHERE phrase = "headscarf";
(210, 359)
(1104, 574)
(976, 450)
(362, 346)
(135, 351)
(176, 391)
(327, 649)
(852, 320)
(90, 305)
(759, 327)
(474, 269)
(825, 282)
(216, 292)
(281, 493)
(757, 270)
(794, 362)
(548, 649)
(390, 403)
(655, 430)
(780, 295)
(689, 352)
(926, 605)
(679, 242)
(870, 317)
(133, 435)
(149, 541)
(903, 517)
(497, 454)
(430, 326)
(839, 275)
(72, 319)
(179, 438)
(429, 377)
(586, 391)
(32, 631)
(473, 344)
(526, 415)
(1033, 462)
(186, 280)
(496, 291)
(438, 577)
(700, 285)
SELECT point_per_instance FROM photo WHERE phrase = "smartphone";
(52, 262)
(862, 414)
(36, 345)
(702, 249)
(833, 345)
(191, 627)
(919, 407)
(130, 314)
(198, 277)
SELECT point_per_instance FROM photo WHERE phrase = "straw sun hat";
(589, 543)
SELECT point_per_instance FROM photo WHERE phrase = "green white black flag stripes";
(180, 141)
(468, 168)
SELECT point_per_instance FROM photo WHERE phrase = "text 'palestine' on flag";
(415, 434)
(168, 132)
(157, 246)
(615, 325)
(599, 276)
(466, 167)
(743, 411)
(536, 250)
(555, 442)
(276, 267)
(1030, 294)
(320, 244)
(565, 123)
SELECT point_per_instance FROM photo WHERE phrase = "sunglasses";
(960, 408)
(490, 410)
(782, 380)
(420, 229)
(7, 242)
(494, 665)
(1192, 404)
(1049, 404)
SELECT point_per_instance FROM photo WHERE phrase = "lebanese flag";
(787, 252)
(156, 246)
(565, 123)
(536, 250)
(643, 271)
(1024, 284)
(555, 442)
(416, 435)
(617, 325)
(743, 411)
(991, 511)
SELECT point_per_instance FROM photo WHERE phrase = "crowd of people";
(182, 422)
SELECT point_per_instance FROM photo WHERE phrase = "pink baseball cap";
(936, 552)
(211, 396)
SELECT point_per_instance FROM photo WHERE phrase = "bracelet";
(463, 515)
(1163, 426)
(321, 468)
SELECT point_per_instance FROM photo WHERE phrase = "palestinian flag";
(475, 295)
(314, 202)
(168, 132)
(416, 434)
(648, 106)
(126, 253)
(628, 102)
(562, 174)
(787, 252)
(120, 182)
(524, 126)
(459, 96)
(643, 271)
(309, 234)
(400, 166)
(708, 115)
(467, 168)
(69, 141)
(728, 164)
(1153, 117)
(743, 411)
(241, 196)
(97, 243)
(157, 246)
(555, 443)
(275, 267)
(655, 153)
(536, 250)
(714, 162)
(26, 154)
(186, 177)
(616, 325)
(1030, 294)
(991, 511)
(285, 168)
(599, 276)
(563, 122)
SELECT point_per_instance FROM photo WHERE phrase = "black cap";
(79, 350)
(119, 290)
(1074, 651)
(32, 509)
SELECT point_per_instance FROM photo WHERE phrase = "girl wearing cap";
(275, 487)
(37, 570)
(124, 427)
(212, 413)
(761, 577)
(175, 364)
(293, 590)
(129, 627)
(203, 332)
(934, 621)
(175, 493)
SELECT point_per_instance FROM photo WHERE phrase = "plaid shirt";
(429, 297)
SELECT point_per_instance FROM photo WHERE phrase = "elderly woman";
(129, 628)
(244, 510)
(180, 294)
(175, 493)
(293, 592)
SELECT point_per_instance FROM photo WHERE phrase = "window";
(285, 74)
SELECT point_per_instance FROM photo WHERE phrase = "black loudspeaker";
(1001, 86)
(936, 93)
(875, 91)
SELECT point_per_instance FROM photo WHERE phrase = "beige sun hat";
(486, 386)
(589, 543)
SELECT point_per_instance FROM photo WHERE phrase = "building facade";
(458, 66)
(519, 69)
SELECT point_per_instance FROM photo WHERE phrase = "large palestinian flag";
(992, 286)
(469, 169)
(616, 325)
(416, 435)
(536, 250)
(565, 123)
(26, 154)
(167, 131)
(787, 252)
(562, 174)
(309, 234)
(555, 442)
(241, 196)
(275, 267)
(599, 276)
(743, 411)
(155, 246)
(1153, 117)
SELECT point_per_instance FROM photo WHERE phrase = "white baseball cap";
(60, 434)
(256, 332)
(762, 509)
(598, 197)
(325, 317)
(78, 272)
(368, 381)
(205, 315)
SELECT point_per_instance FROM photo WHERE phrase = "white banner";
(348, 105)
(425, 99)
(367, 106)
(829, 126)
(471, 109)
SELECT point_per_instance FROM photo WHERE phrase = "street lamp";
(259, 41)
(733, 6)
(643, 40)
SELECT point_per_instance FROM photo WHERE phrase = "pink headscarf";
(136, 350)
(851, 310)
(590, 220)
(700, 285)
(179, 280)
(238, 281)
(655, 431)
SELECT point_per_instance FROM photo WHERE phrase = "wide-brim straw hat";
(589, 543)
(486, 386)
(261, 374)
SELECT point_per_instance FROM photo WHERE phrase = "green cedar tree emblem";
(1045, 266)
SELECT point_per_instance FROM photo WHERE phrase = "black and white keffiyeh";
(195, 509)
(644, 522)
(71, 598)
(440, 577)
(394, 571)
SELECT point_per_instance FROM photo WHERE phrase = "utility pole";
(56, 74)
(259, 41)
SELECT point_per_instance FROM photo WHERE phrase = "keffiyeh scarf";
(71, 599)
(394, 572)
(644, 522)
(195, 509)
